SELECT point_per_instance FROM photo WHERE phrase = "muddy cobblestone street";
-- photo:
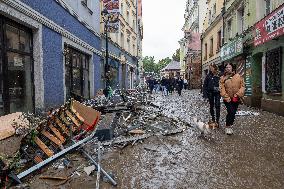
(252, 158)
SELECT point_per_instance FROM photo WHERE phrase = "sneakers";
(229, 131)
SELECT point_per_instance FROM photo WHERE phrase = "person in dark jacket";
(211, 92)
(164, 86)
(171, 84)
(179, 85)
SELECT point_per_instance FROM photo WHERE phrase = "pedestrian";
(164, 86)
(179, 85)
(151, 84)
(211, 92)
(185, 84)
(232, 89)
(171, 84)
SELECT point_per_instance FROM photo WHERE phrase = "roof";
(195, 42)
(173, 65)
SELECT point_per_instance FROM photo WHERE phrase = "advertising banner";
(112, 6)
(270, 27)
(232, 49)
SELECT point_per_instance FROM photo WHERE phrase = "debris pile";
(122, 119)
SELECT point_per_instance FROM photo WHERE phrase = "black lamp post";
(105, 15)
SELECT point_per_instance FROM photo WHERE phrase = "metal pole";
(106, 65)
(99, 166)
(96, 164)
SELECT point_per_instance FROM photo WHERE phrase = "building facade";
(211, 38)
(47, 56)
(123, 46)
(190, 49)
(253, 43)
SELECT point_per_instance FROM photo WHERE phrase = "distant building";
(171, 70)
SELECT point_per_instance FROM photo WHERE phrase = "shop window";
(76, 74)
(273, 68)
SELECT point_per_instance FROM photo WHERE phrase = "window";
(209, 21)
(76, 74)
(121, 9)
(128, 45)
(240, 20)
(273, 71)
(211, 47)
(214, 9)
(133, 50)
(205, 56)
(267, 6)
(127, 16)
(229, 28)
(122, 40)
(219, 41)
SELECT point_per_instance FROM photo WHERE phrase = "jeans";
(214, 102)
(164, 90)
(232, 108)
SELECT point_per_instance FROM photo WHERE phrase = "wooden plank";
(62, 126)
(51, 137)
(63, 118)
(75, 121)
(37, 159)
(43, 147)
(57, 133)
(90, 115)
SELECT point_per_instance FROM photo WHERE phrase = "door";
(16, 79)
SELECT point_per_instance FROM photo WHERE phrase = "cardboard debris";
(89, 169)
(9, 123)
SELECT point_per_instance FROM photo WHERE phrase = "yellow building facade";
(211, 39)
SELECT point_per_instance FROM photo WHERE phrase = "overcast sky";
(163, 20)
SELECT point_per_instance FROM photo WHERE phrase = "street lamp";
(105, 16)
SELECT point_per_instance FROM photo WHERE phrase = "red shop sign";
(270, 27)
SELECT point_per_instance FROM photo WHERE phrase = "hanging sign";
(112, 6)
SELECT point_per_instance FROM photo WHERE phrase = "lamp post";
(105, 15)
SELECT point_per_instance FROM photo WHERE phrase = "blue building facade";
(65, 49)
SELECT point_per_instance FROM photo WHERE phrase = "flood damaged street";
(253, 157)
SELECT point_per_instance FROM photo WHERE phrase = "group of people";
(231, 87)
(167, 85)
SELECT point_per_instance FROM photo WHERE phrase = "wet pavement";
(252, 158)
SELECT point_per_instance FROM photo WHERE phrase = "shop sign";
(270, 27)
(112, 6)
(248, 77)
(232, 49)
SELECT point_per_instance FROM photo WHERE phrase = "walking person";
(164, 86)
(211, 92)
(185, 84)
(232, 89)
(179, 85)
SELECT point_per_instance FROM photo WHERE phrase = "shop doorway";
(16, 68)
(257, 80)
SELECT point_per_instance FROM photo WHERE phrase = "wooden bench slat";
(43, 147)
(52, 138)
(57, 133)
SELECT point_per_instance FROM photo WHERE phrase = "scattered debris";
(247, 113)
(89, 169)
